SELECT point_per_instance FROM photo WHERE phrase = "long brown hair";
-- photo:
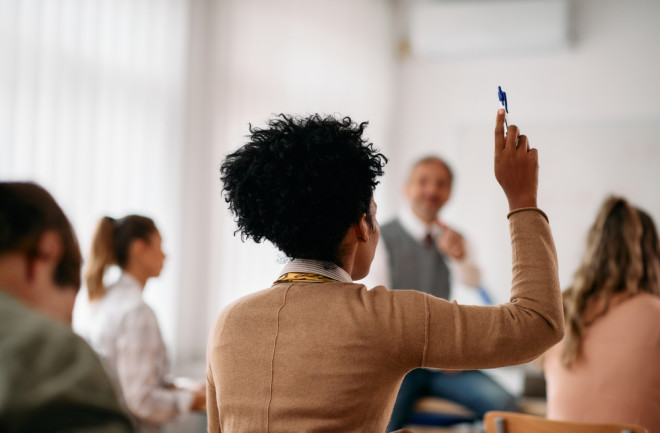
(651, 255)
(110, 246)
(621, 257)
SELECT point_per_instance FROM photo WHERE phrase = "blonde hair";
(110, 246)
(621, 257)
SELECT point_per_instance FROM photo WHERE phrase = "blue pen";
(501, 95)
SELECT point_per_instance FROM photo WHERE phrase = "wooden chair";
(509, 422)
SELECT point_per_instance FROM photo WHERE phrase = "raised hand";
(516, 165)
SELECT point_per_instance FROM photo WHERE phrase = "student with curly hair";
(606, 369)
(50, 379)
(317, 352)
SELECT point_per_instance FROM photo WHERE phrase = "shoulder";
(43, 347)
(378, 300)
(632, 322)
(121, 297)
(652, 301)
(250, 302)
(394, 305)
(122, 309)
(138, 315)
(642, 306)
(24, 327)
(48, 370)
(244, 306)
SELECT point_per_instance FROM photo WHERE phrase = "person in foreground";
(50, 379)
(124, 329)
(317, 352)
(606, 369)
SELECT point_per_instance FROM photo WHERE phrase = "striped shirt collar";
(326, 269)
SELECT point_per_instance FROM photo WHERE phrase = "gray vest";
(414, 266)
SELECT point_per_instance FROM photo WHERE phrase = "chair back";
(509, 422)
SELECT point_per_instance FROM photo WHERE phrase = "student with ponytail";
(123, 329)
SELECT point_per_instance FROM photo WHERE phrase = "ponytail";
(101, 256)
(110, 246)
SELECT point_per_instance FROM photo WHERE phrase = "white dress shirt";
(464, 270)
(124, 331)
(325, 269)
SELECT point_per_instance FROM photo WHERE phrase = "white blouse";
(124, 331)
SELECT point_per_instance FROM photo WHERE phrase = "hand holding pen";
(516, 165)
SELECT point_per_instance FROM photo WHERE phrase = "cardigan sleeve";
(212, 397)
(213, 413)
(472, 337)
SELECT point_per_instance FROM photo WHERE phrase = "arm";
(212, 412)
(513, 333)
(141, 365)
(212, 408)
(516, 332)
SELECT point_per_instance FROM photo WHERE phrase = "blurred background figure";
(606, 368)
(50, 380)
(419, 251)
(124, 330)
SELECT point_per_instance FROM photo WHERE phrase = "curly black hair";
(301, 183)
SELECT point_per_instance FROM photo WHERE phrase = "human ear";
(50, 248)
(137, 247)
(49, 253)
(363, 228)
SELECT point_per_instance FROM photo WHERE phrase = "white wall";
(592, 111)
(262, 58)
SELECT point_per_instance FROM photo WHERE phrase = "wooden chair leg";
(499, 425)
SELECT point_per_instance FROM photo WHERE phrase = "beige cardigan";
(312, 357)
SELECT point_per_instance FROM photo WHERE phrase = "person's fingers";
(534, 154)
(512, 137)
(523, 143)
(499, 130)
